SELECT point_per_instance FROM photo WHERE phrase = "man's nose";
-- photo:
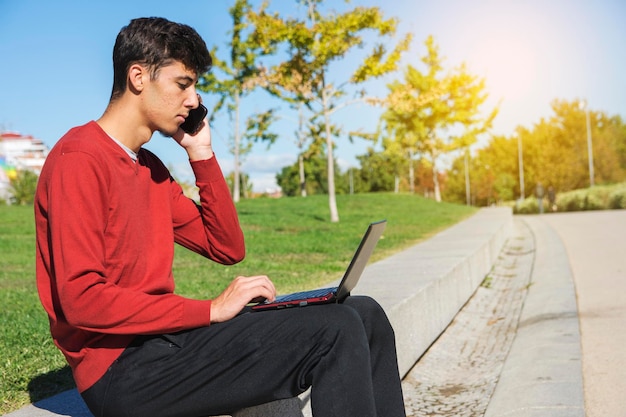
(193, 101)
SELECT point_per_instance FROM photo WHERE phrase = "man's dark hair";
(156, 42)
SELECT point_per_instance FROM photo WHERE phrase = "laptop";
(348, 282)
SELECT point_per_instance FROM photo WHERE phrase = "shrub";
(617, 198)
(23, 187)
(527, 206)
(579, 200)
(593, 201)
(600, 197)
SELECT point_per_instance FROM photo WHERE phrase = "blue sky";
(56, 71)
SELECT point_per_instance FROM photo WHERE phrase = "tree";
(23, 187)
(268, 30)
(554, 154)
(301, 143)
(379, 170)
(433, 113)
(310, 144)
(315, 173)
(242, 74)
(555, 149)
(315, 43)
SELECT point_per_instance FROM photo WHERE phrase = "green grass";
(290, 239)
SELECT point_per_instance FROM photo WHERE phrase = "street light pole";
(590, 150)
(521, 166)
(583, 104)
(468, 199)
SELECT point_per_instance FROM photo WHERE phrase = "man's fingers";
(256, 286)
(240, 292)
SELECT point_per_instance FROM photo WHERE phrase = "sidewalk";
(458, 374)
(594, 241)
(543, 372)
(514, 348)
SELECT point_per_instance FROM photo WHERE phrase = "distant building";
(19, 152)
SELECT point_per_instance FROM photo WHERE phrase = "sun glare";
(507, 65)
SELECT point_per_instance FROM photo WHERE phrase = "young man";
(107, 215)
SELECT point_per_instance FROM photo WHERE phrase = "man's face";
(168, 97)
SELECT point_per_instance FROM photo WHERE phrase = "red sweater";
(106, 228)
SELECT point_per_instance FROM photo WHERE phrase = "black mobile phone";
(193, 122)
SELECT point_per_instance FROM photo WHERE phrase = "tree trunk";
(302, 177)
(301, 147)
(436, 183)
(468, 199)
(332, 200)
(411, 173)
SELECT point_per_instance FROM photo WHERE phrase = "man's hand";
(238, 294)
(198, 145)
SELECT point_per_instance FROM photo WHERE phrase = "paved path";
(458, 374)
(542, 375)
(574, 311)
(596, 244)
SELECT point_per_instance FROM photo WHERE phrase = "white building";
(19, 152)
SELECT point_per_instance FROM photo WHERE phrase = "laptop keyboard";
(305, 294)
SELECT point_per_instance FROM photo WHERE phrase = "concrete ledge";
(543, 372)
(421, 289)
(68, 403)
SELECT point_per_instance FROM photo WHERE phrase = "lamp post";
(468, 199)
(520, 155)
(583, 105)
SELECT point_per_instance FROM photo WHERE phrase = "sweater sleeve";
(211, 229)
(78, 210)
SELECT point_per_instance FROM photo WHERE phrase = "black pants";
(345, 352)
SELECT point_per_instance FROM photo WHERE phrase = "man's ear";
(136, 76)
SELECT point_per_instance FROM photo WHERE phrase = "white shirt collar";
(130, 152)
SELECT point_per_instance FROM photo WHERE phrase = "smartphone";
(193, 122)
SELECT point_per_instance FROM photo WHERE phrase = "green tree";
(379, 170)
(315, 43)
(315, 176)
(434, 112)
(241, 75)
(23, 186)
(268, 29)
(311, 143)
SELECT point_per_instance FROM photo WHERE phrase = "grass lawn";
(290, 239)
